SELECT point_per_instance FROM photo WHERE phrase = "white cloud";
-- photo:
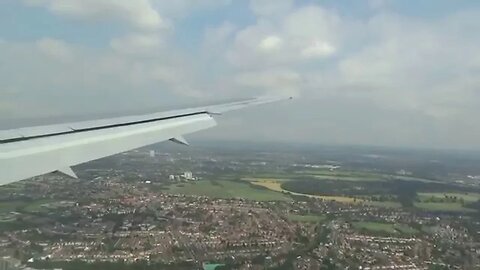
(142, 14)
(318, 49)
(180, 8)
(313, 21)
(415, 66)
(137, 44)
(55, 48)
(271, 8)
(176, 78)
(388, 79)
(305, 33)
(270, 43)
(98, 81)
(272, 81)
(166, 74)
(138, 13)
(416, 79)
(218, 36)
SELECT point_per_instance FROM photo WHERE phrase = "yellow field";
(276, 185)
(270, 184)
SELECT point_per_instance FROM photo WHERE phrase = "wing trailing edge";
(32, 151)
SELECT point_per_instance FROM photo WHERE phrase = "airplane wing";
(32, 151)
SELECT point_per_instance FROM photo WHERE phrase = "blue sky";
(382, 72)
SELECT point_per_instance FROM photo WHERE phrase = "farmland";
(226, 190)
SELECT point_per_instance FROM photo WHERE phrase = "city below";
(249, 206)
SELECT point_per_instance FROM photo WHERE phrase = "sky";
(376, 72)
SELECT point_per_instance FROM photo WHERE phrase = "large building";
(188, 175)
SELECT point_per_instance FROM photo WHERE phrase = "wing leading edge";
(28, 152)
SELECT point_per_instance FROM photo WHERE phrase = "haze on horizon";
(381, 72)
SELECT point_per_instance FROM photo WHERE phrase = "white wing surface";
(32, 151)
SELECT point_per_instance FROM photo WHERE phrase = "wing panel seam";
(73, 131)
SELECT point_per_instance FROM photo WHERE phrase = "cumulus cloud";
(380, 78)
(415, 66)
(274, 81)
(143, 14)
(217, 36)
(318, 49)
(270, 43)
(55, 48)
(35, 76)
(181, 8)
(420, 74)
(305, 33)
(139, 13)
(137, 44)
(271, 8)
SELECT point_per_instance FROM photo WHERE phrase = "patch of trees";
(445, 199)
(474, 205)
(115, 218)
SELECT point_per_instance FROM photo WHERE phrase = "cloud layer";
(380, 77)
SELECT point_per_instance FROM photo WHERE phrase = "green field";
(375, 226)
(324, 174)
(38, 205)
(11, 206)
(381, 227)
(338, 174)
(341, 175)
(429, 229)
(386, 204)
(446, 206)
(467, 197)
(306, 218)
(277, 176)
(24, 206)
(405, 229)
(226, 190)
